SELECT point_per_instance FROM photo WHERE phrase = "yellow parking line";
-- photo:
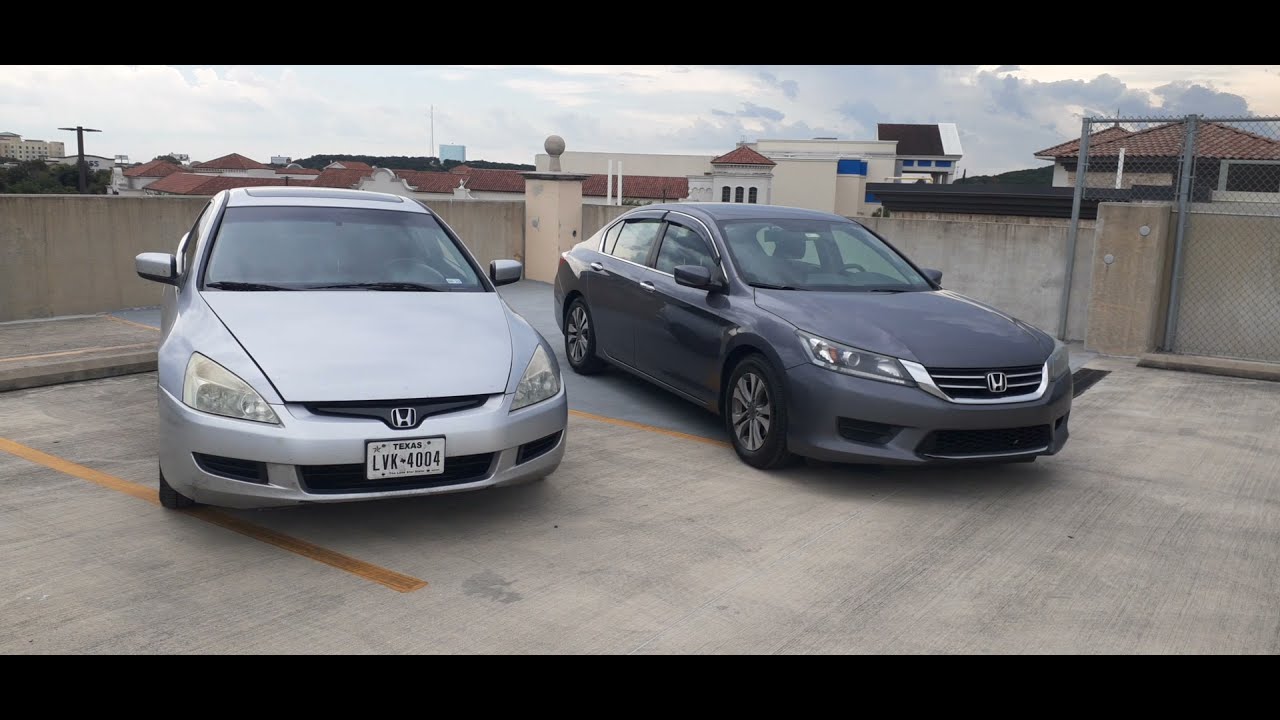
(649, 428)
(81, 351)
(131, 322)
(374, 573)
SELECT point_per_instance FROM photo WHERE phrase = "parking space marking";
(131, 322)
(368, 571)
(649, 428)
(81, 351)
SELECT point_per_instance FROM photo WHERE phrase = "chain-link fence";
(1222, 178)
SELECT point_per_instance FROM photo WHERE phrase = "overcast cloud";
(1004, 113)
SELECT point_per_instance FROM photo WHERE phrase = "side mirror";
(695, 276)
(505, 272)
(934, 275)
(160, 267)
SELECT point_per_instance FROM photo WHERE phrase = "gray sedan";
(811, 335)
(333, 345)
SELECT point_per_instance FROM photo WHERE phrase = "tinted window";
(817, 254)
(306, 247)
(682, 246)
(611, 238)
(636, 239)
(187, 254)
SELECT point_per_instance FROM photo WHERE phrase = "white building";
(95, 162)
(13, 146)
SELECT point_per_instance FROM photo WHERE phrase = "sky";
(504, 113)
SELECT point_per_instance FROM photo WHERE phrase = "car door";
(614, 286)
(681, 329)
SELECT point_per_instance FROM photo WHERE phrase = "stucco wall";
(805, 184)
(1018, 268)
(595, 217)
(491, 230)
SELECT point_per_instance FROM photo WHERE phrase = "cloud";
(1008, 68)
(752, 110)
(790, 88)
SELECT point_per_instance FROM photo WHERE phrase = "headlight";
(852, 361)
(540, 381)
(1059, 361)
(209, 387)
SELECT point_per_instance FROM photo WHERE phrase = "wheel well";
(568, 303)
(735, 356)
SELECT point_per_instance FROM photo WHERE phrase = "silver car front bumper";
(303, 440)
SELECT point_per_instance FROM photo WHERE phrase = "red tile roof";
(351, 165)
(1070, 147)
(338, 178)
(1213, 140)
(432, 182)
(296, 171)
(155, 168)
(195, 184)
(648, 187)
(743, 155)
(234, 161)
(486, 180)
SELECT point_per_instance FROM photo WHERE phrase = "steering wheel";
(853, 266)
(419, 271)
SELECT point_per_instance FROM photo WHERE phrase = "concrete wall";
(805, 184)
(1018, 268)
(490, 230)
(72, 255)
(1130, 292)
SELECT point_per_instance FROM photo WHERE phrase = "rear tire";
(173, 499)
(755, 412)
(580, 339)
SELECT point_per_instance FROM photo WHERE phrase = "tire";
(754, 379)
(173, 499)
(580, 339)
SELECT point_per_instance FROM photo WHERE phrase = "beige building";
(13, 146)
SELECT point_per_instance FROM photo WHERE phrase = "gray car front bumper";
(818, 398)
(304, 439)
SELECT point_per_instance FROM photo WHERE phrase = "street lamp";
(84, 169)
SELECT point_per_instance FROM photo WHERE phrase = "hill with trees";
(1031, 176)
(36, 177)
(403, 162)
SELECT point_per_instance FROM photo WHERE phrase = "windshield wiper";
(392, 286)
(243, 286)
(771, 286)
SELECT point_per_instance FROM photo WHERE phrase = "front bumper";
(304, 439)
(818, 398)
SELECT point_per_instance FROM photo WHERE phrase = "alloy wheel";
(579, 333)
(751, 411)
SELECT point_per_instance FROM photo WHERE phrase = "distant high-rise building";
(13, 146)
(453, 152)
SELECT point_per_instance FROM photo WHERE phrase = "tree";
(167, 158)
(39, 178)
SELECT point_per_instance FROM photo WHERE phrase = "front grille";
(864, 431)
(971, 383)
(232, 468)
(382, 409)
(962, 443)
(330, 479)
(531, 450)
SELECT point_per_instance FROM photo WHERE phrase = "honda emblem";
(404, 417)
(997, 382)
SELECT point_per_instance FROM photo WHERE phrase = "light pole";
(84, 169)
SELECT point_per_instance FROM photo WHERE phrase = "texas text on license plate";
(404, 457)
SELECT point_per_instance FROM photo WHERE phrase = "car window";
(300, 248)
(682, 246)
(611, 238)
(816, 254)
(636, 240)
(187, 254)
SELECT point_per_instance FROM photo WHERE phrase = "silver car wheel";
(579, 332)
(751, 411)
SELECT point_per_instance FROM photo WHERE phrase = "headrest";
(787, 245)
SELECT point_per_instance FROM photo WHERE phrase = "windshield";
(816, 254)
(309, 248)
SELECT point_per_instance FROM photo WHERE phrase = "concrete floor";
(1157, 530)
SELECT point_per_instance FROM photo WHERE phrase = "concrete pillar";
(552, 215)
(1132, 254)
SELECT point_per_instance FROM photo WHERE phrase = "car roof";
(278, 195)
(743, 211)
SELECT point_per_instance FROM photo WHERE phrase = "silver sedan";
(333, 345)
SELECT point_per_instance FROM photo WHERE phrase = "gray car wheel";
(580, 339)
(173, 499)
(755, 413)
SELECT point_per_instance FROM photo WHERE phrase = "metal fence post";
(1186, 176)
(1082, 166)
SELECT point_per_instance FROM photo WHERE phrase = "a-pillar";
(552, 214)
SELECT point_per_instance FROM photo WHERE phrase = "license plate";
(404, 458)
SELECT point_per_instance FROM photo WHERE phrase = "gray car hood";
(936, 329)
(366, 345)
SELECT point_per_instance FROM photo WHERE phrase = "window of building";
(924, 163)
(724, 194)
(752, 195)
(737, 194)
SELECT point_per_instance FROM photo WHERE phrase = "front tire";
(755, 413)
(173, 499)
(580, 339)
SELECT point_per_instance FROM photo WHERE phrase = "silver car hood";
(326, 346)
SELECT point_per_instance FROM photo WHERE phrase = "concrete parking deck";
(48, 352)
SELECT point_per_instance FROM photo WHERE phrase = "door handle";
(597, 266)
(647, 286)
